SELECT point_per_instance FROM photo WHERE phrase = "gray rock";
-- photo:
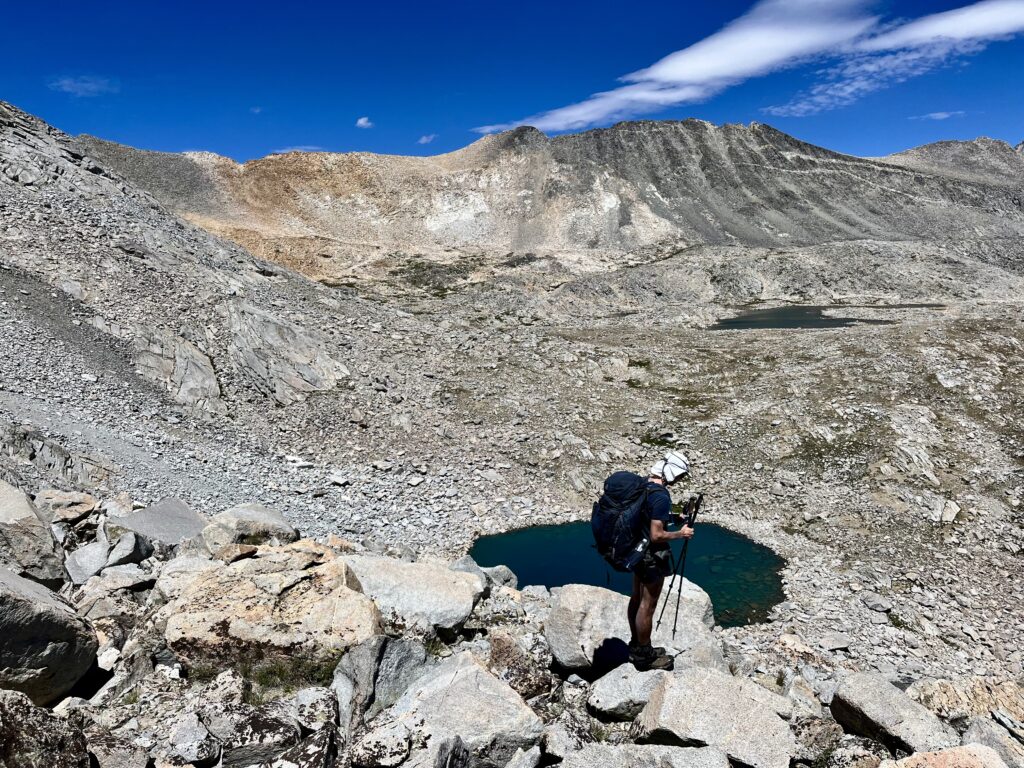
(54, 506)
(31, 737)
(85, 562)
(280, 359)
(180, 572)
(704, 706)
(467, 564)
(250, 736)
(314, 708)
(45, 647)
(623, 692)
(876, 602)
(869, 705)
(528, 758)
(26, 544)
(587, 626)
(502, 575)
(191, 742)
(424, 595)
(111, 751)
(989, 733)
(129, 548)
(834, 641)
(170, 521)
(248, 524)
(373, 675)
(315, 751)
(461, 698)
(382, 747)
(558, 741)
(645, 756)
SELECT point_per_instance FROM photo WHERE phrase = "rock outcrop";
(869, 705)
(294, 601)
(587, 627)
(707, 707)
(26, 545)
(45, 647)
(423, 595)
(461, 698)
(31, 737)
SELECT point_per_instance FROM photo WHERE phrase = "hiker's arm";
(659, 535)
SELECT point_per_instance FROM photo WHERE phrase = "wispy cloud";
(939, 115)
(903, 51)
(297, 148)
(866, 55)
(364, 122)
(255, 110)
(426, 139)
(84, 86)
(773, 35)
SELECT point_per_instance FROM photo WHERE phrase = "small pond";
(805, 316)
(741, 576)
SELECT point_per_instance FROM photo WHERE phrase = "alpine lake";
(742, 577)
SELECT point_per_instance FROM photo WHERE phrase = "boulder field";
(227, 639)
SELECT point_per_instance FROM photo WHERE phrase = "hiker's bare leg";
(634, 606)
(645, 616)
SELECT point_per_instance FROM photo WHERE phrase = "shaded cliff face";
(636, 188)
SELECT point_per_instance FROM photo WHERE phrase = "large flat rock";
(587, 626)
(26, 545)
(869, 705)
(293, 600)
(248, 524)
(707, 707)
(622, 693)
(170, 521)
(459, 697)
(45, 647)
(424, 595)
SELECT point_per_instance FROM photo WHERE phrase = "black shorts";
(655, 565)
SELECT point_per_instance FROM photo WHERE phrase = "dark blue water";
(796, 316)
(806, 316)
(741, 576)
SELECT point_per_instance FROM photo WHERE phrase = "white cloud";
(298, 148)
(898, 53)
(939, 115)
(255, 110)
(986, 20)
(364, 122)
(775, 34)
(84, 85)
(426, 139)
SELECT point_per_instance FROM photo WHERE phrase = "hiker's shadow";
(610, 654)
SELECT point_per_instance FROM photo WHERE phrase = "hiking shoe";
(660, 650)
(644, 657)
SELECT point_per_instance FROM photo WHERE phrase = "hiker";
(630, 527)
(649, 575)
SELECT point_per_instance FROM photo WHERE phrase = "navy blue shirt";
(659, 506)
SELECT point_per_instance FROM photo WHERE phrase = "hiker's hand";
(686, 532)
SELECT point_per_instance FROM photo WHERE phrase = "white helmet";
(672, 467)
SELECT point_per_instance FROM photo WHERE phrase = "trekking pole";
(682, 560)
(688, 514)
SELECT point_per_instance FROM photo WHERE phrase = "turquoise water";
(741, 576)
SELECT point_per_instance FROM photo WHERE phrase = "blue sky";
(244, 80)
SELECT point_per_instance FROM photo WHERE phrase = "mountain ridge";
(596, 198)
